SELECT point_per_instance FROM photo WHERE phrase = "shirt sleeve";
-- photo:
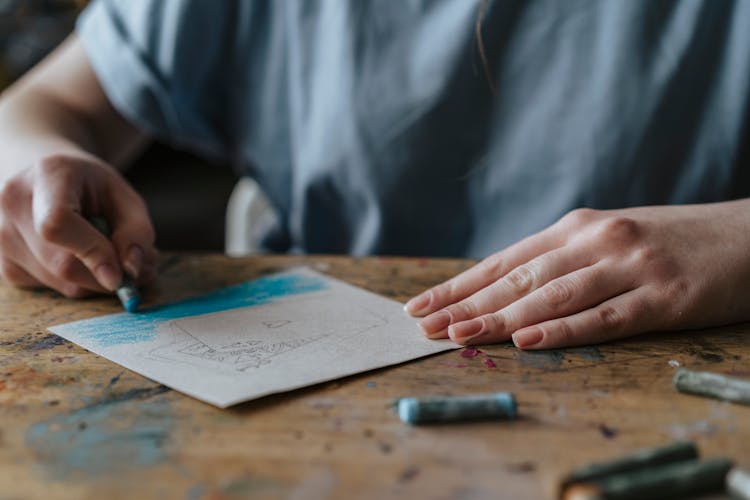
(164, 64)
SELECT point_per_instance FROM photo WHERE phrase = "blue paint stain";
(126, 328)
(196, 492)
(103, 438)
(115, 379)
(547, 360)
(47, 342)
(588, 353)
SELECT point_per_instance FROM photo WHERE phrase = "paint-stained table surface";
(75, 425)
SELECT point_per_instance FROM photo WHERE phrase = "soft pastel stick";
(672, 480)
(494, 406)
(126, 291)
(713, 385)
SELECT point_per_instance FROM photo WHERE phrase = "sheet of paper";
(270, 335)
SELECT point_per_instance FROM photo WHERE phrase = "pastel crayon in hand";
(126, 291)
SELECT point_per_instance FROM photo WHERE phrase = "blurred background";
(186, 196)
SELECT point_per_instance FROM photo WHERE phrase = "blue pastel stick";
(128, 294)
(494, 406)
(126, 291)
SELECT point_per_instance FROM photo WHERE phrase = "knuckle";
(10, 273)
(676, 291)
(493, 265)
(494, 323)
(51, 164)
(579, 217)
(558, 292)
(51, 226)
(64, 266)
(93, 253)
(619, 230)
(611, 319)
(462, 310)
(647, 255)
(521, 280)
(441, 293)
(661, 268)
(562, 333)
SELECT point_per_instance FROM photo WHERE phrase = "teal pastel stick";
(128, 294)
(493, 406)
(126, 291)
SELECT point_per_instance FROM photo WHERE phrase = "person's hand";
(46, 240)
(600, 275)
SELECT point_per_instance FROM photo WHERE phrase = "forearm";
(59, 108)
(34, 125)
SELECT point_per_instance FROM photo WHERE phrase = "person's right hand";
(46, 240)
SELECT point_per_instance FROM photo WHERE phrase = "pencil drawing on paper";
(246, 339)
(242, 355)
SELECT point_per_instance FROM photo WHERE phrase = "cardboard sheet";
(270, 335)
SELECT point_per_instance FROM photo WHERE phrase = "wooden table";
(75, 425)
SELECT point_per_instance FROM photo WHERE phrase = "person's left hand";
(595, 276)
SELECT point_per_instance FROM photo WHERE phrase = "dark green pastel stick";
(713, 385)
(673, 452)
(674, 480)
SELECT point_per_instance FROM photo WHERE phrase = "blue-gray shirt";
(373, 126)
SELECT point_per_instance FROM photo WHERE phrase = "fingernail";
(527, 338)
(418, 304)
(467, 329)
(107, 277)
(435, 322)
(134, 261)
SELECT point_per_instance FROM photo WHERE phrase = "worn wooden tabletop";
(75, 425)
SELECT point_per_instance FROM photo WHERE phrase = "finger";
(516, 284)
(560, 297)
(39, 276)
(15, 275)
(621, 316)
(482, 274)
(57, 220)
(62, 270)
(133, 234)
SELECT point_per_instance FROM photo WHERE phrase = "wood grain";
(74, 425)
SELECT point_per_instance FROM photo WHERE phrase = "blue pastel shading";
(127, 328)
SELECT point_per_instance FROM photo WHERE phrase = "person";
(592, 154)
